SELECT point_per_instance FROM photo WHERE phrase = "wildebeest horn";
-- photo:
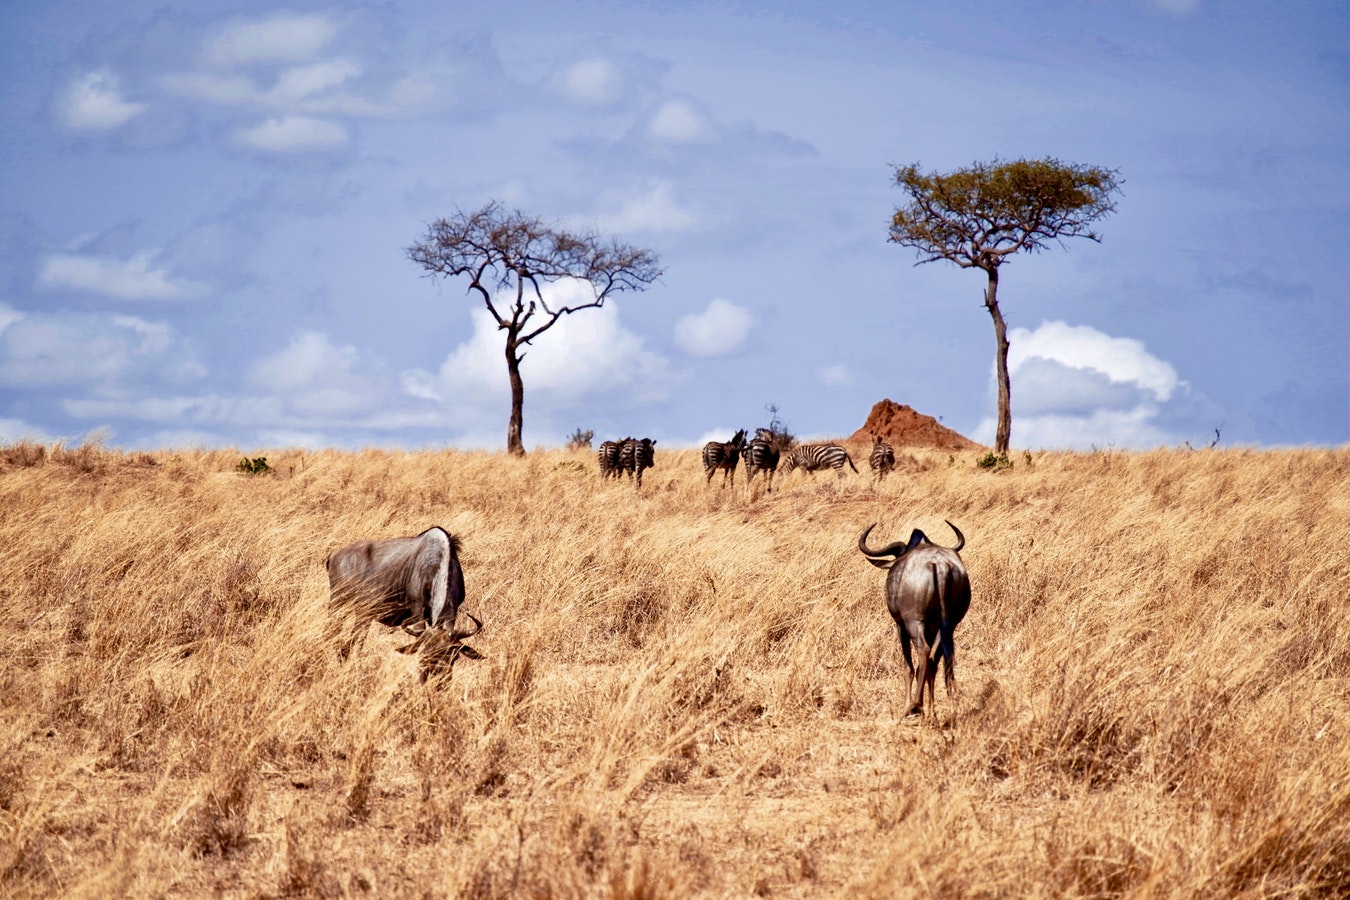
(477, 626)
(897, 549)
(960, 538)
(454, 636)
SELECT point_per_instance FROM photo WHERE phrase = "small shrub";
(255, 466)
(24, 454)
(89, 458)
(580, 440)
(997, 462)
(777, 432)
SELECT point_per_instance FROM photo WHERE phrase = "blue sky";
(204, 210)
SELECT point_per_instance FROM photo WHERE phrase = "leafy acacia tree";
(508, 258)
(978, 217)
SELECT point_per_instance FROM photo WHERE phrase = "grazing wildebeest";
(413, 583)
(635, 455)
(882, 459)
(760, 456)
(818, 456)
(724, 456)
(927, 593)
(608, 455)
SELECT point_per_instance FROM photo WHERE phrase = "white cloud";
(655, 210)
(679, 122)
(1122, 360)
(719, 330)
(1074, 387)
(1179, 8)
(281, 38)
(94, 102)
(316, 379)
(38, 350)
(8, 316)
(225, 90)
(591, 82)
(586, 354)
(301, 82)
(836, 375)
(294, 134)
(137, 278)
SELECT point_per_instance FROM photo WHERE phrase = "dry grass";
(687, 691)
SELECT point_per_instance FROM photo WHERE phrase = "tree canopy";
(978, 216)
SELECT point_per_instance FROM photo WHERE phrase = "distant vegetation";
(686, 692)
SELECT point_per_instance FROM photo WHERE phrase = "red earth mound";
(902, 426)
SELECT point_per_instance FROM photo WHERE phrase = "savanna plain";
(686, 691)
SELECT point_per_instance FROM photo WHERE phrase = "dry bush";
(684, 691)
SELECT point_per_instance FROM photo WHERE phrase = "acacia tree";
(979, 216)
(508, 258)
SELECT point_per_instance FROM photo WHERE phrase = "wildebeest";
(928, 594)
(882, 458)
(635, 456)
(413, 583)
(760, 456)
(818, 456)
(724, 456)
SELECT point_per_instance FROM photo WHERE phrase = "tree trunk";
(1003, 433)
(514, 445)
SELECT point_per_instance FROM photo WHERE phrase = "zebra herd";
(629, 455)
(760, 454)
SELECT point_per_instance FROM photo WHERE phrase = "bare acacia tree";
(978, 217)
(508, 258)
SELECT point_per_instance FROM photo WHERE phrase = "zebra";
(636, 455)
(817, 456)
(882, 459)
(724, 456)
(760, 456)
(609, 458)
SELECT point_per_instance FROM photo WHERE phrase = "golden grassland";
(687, 691)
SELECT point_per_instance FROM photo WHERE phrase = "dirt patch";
(902, 426)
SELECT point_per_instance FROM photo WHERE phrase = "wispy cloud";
(719, 330)
(680, 122)
(591, 82)
(294, 134)
(100, 352)
(94, 102)
(316, 379)
(836, 375)
(280, 38)
(655, 209)
(137, 278)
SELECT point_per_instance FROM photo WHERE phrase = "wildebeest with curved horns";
(413, 583)
(928, 594)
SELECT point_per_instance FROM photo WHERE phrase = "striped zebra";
(609, 458)
(882, 459)
(760, 456)
(636, 455)
(724, 456)
(818, 456)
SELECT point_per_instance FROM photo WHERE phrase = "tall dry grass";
(687, 691)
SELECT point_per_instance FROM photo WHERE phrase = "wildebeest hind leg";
(910, 708)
